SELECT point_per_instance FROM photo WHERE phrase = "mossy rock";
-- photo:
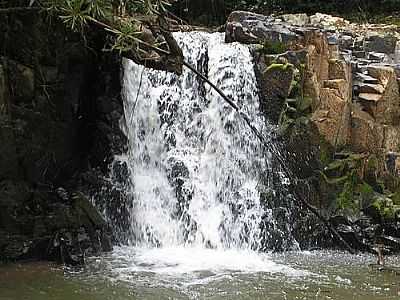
(272, 47)
(85, 209)
(278, 67)
(382, 208)
(396, 198)
(304, 104)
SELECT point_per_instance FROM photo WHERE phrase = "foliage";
(345, 200)
(312, 6)
(366, 194)
(126, 23)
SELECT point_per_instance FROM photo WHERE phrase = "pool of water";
(192, 273)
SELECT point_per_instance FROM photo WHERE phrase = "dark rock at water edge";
(60, 107)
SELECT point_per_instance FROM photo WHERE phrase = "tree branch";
(19, 9)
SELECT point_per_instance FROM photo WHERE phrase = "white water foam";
(177, 261)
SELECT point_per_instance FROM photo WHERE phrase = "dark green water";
(319, 275)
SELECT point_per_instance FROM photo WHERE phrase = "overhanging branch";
(19, 9)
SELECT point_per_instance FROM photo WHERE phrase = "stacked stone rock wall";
(348, 133)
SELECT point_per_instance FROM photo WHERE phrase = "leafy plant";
(75, 14)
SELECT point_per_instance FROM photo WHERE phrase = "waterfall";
(195, 170)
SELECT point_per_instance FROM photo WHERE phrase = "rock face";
(59, 118)
(344, 103)
(249, 28)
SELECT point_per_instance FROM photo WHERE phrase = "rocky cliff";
(59, 126)
(333, 88)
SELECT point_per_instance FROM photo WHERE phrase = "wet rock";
(371, 88)
(63, 194)
(48, 74)
(22, 80)
(83, 206)
(120, 172)
(364, 222)
(340, 220)
(58, 231)
(249, 28)
(381, 43)
(13, 193)
(377, 57)
(366, 79)
(359, 54)
(275, 87)
(346, 42)
(3, 91)
(9, 165)
(296, 19)
(369, 97)
(390, 241)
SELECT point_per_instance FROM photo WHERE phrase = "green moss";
(388, 213)
(346, 199)
(272, 47)
(384, 207)
(282, 67)
(396, 198)
(377, 204)
(366, 194)
(334, 181)
(304, 104)
(325, 151)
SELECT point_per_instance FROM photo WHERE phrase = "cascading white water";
(195, 164)
(191, 189)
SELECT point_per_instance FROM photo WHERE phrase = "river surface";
(132, 273)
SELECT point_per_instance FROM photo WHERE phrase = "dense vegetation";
(216, 11)
(338, 6)
(137, 29)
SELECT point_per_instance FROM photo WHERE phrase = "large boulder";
(366, 134)
(383, 43)
(250, 28)
(383, 107)
(296, 19)
(327, 21)
(276, 85)
(333, 117)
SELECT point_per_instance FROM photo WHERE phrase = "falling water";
(195, 165)
(194, 177)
